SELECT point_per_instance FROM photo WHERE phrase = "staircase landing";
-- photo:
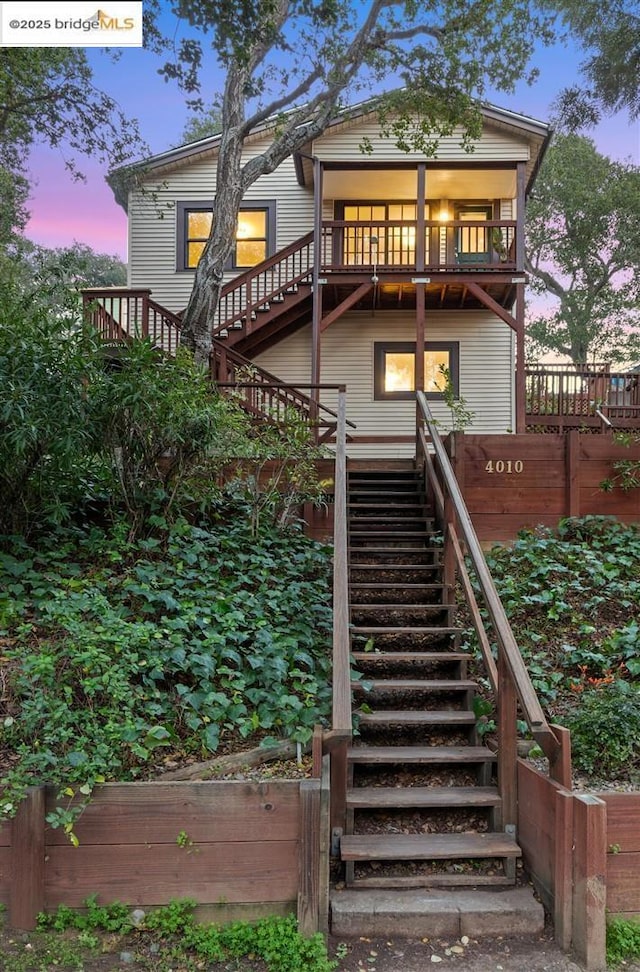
(436, 912)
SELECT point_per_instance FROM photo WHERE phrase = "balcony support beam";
(316, 315)
(344, 305)
(492, 304)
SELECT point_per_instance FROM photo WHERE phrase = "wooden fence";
(511, 482)
(240, 849)
(582, 851)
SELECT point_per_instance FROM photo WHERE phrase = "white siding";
(486, 371)
(343, 142)
(153, 222)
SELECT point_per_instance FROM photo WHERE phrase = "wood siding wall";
(486, 372)
(249, 849)
(343, 142)
(153, 222)
(523, 481)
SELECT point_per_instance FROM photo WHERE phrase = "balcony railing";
(574, 396)
(392, 244)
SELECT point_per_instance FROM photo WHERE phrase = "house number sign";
(504, 466)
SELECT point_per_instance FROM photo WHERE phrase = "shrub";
(605, 730)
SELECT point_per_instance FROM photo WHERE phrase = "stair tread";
(390, 585)
(423, 796)
(380, 847)
(404, 656)
(404, 629)
(421, 754)
(425, 684)
(403, 606)
(412, 717)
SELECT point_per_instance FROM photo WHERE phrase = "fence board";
(623, 886)
(152, 874)
(5, 873)
(623, 820)
(537, 828)
(135, 813)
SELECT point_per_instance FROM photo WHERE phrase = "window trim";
(382, 348)
(182, 210)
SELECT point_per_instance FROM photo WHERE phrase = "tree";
(201, 125)
(291, 64)
(47, 94)
(79, 266)
(610, 36)
(583, 251)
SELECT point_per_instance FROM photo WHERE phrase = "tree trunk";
(199, 317)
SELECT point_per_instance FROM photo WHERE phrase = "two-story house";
(345, 262)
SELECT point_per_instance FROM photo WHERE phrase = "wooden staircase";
(423, 807)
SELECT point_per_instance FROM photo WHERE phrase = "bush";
(605, 731)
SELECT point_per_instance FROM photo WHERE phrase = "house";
(403, 250)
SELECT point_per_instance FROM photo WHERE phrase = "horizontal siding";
(153, 222)
(486, 371)
(344, 143)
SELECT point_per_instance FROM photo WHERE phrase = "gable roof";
(537, 132)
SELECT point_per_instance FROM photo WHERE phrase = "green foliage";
(461, 415)
(572, 596)
(275, 940)
(164, 431)
(605, 731)
(583, 250)
(623, 940)
(45, 417)
(118, 650)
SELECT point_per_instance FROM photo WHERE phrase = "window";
(395, 369)
(379, 243)
(255, 234)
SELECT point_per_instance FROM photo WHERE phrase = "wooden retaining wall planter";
(582, 851)
(248, 849)
(511, 482)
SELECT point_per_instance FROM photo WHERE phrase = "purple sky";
(63, 211)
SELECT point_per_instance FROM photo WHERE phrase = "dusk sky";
(63, 211)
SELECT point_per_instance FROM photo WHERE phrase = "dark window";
(255, 234)
(394, 376)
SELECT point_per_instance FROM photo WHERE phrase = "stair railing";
(508, 674)
(120, 314)
(338, 738)
(245, 295)
(264, 394)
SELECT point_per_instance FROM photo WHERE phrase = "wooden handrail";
(342, 718)
(509, 656)
(267, 264)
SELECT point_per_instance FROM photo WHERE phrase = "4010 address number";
(504, 466)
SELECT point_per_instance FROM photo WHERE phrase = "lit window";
(255, 235)
(395, 369)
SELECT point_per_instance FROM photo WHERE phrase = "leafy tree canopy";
(610, 37)
(202, 123)
(48, 95)
(292, 64)
(583, 251)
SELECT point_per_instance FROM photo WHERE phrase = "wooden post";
(521, 383)
(28, 860)
(507, 743)
(589, 885)
(563, 868)
(420, 336)
(521, 183)
(324, 863)
(309, 857)
(560, 769)
(572, 461)
(317, 269)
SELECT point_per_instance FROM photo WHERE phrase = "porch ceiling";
(364, 183)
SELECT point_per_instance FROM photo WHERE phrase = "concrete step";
(436, 913)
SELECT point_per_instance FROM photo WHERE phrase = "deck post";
(521, 390)
(28, 860)
(309, 858)
(317, 269)
(589, 883)
(420, 335)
